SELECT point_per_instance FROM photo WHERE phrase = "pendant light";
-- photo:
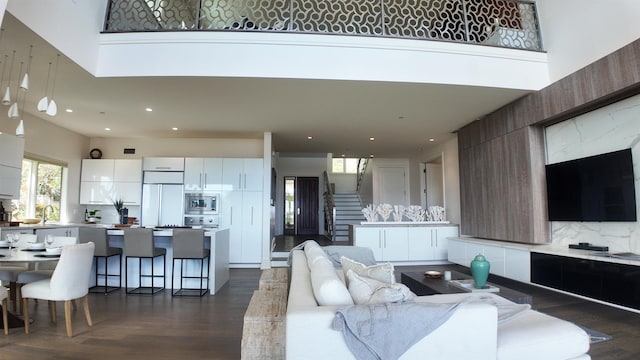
(24, 85)
(52, 109)
(44, 102)
(20, 128)
(4, 67)
(6, 99)
(13, 109)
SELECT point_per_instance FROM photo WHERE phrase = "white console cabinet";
(507, 260)
(405, 243)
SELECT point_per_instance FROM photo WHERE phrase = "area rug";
(594, 335)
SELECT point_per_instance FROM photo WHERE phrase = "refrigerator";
(162, 198)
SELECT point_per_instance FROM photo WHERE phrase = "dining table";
(22, 256)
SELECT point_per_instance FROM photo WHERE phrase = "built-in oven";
(206, 221)
(201, 204)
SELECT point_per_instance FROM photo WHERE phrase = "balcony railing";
(505, 23)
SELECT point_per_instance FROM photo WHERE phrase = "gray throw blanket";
(386, 331)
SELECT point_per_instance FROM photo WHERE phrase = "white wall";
(71, 26)
(577, 32)
(401, 191)
(611, 128)
(112, 148)
(450, 167)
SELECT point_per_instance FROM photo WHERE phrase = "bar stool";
(100, 238)
(138, 243)
(188, 244)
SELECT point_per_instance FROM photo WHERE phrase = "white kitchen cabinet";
(106, 180)
(127, 170)
(10, 178)
(242, 174)
(100, 170)
(163, 164)
(96, 193)
(241, 213)
(12, 150)
(203, 174)
(57, 231)
(430, 242)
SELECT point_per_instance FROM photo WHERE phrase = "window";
(41, 186)
(345, 165)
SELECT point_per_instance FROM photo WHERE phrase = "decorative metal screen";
(245, 15)
(505, 23)
(354, 17)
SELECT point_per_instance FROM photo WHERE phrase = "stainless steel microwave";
(201, 203)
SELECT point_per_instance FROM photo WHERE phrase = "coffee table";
(422, 285)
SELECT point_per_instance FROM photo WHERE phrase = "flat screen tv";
(595, 188)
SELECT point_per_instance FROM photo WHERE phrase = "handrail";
(329, 206)
(362, 168)
(503, 23)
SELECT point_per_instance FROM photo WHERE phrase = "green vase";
(480, 271)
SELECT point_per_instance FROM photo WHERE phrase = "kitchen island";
(217, 240)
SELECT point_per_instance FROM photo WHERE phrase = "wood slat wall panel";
(502, 180)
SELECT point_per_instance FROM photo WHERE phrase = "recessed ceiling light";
(69, 110)
(432, 140)
(174, 128)
(148, 109)
(310, 137)
(107, 129)
(372, 138)
(371, 155)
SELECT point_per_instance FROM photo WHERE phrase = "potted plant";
(94, 216)
(123, 212)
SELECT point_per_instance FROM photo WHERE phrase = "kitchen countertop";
(111, 229)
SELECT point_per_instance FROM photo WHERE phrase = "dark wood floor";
(162, 327)
(623, 325)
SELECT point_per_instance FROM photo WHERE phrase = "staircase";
(348, 211)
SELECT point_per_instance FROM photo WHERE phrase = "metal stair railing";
(362, 168)
(329, 207)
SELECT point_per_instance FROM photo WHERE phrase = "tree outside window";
(41, 186)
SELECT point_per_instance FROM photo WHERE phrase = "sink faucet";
(44, 213)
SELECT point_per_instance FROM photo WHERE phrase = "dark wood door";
(307, 203)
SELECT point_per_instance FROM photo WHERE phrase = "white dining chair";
(4, 297)
(9, 273)
(70, 281)
(45, 269)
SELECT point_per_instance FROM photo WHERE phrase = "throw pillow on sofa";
(366, 290)
(381, 272)
(328, 288)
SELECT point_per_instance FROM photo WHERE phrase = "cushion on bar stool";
(139, 243)
(189, 244)
(100, 238)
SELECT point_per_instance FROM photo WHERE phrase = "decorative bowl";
(433, 274)
(30, 221)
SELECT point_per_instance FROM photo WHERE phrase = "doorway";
(301, 205)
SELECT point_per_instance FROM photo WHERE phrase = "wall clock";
(95, 153)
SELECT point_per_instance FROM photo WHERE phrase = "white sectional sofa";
(472, 332)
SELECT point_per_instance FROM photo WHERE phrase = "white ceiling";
(340, 115)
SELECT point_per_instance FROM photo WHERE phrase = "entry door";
(307, 214)
(301, 205)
